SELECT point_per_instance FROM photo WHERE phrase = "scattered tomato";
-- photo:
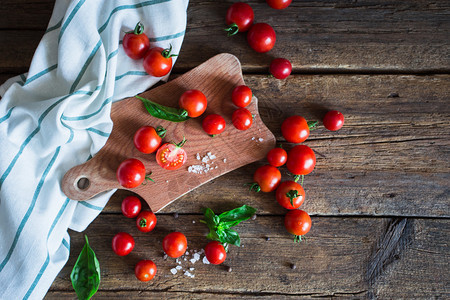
(213, 124)
(171, 156)
(131, 173)
(279, 4)
(122, 243)
(277, 157)
(194, 102)
(148, 139)
(135, 43)
(239, 17)
(175, 244)
(266, 178)
(280, 68)
(145, 270)
(333, 120)
(261, 37)
(295, 129)
(241, 96)
(297, 222)
(215, 252)
(242, 119)
(131, 206)
(301, 160)
(146, 221)
(158, 61)
(290, 194)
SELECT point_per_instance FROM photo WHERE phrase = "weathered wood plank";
(317, 36)
(335, 260)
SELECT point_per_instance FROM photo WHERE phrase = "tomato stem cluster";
(166, 53)
(232, 29)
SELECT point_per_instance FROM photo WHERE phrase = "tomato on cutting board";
(171, 156)
(131, 173)
(194, 102)
(148, 139)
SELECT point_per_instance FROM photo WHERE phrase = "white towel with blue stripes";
(57, 116)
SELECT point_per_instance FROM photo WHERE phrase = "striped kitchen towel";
(57, 116)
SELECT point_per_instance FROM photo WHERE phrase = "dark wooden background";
(379, 196)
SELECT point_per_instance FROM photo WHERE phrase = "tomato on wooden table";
(158, 61)
(145, 270)
(146, 221)
(242, 119)
(171, 156)
(213, 124)
(215, 252)
(122, 243)
(131, 206)
(298, 223)
(261, 37)
(194, 102)
(279, 4)
(280, 68)
(295, 129)
(175, 244)
(241, 96)
(131, 173)
(277, 157)
(290, 194)
(333, 120)
(148, 139)
(266, 179)
(239, 17)
(136, 43)
(301, 160)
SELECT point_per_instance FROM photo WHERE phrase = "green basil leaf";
(237, 215)
(212, 222)
(164, 112)
(231, 236)
(85, 275)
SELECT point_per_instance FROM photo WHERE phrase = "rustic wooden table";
(379, 196)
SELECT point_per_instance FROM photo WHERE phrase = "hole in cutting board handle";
(83, 183)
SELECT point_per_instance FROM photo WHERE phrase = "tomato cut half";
(171, 156)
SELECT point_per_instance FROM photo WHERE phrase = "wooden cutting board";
(233, 148)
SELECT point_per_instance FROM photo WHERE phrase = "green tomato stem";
(232, 29)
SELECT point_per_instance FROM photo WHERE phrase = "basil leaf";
(211, 221)
(230, 236)
(164, 112)
(237, 215)
(85, 275)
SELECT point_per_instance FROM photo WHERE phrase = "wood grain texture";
(334, 261)
(233, 148)
(317, 36)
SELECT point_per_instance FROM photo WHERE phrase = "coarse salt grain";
(178, 267)
(205, 261)
(173, 271)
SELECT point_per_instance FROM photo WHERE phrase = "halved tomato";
(171, 156)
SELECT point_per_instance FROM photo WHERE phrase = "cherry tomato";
(131, 206)
(295, 129)
(301, 160)
(122, 243)
(290, 194)
(280, 68)
(215, 253)
(261, 37)
(241, 96)
(146, 221)
(239, 18)
(279, 4)
(158, 61)
(242, 118)
(135, 43)
(333, 120)
(266, 178)
(297, 222)
(131, 173)
(277, 157)
(171, 156)
(213, 124)
(145, 270)
(148, 139)
(175, 244)
(194, 102)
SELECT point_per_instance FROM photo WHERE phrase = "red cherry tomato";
(135, 43)
(280, 68)
(131, 206)
(131, 173)
(239, 18)
(301, 160)
(290, 194)
(333, 120)
(295, 129)
(279, 4)
(171, 156)
(194, 102)
(122, 243)
(297, 222)
(266, 178)
(261, 37)
(213, 124)
(242, 119)
(175, 244)
(158, 61)
(215, 253)
(146, 221)
(277, 157)
(145, 270)
(241, 96)
(148, 139)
